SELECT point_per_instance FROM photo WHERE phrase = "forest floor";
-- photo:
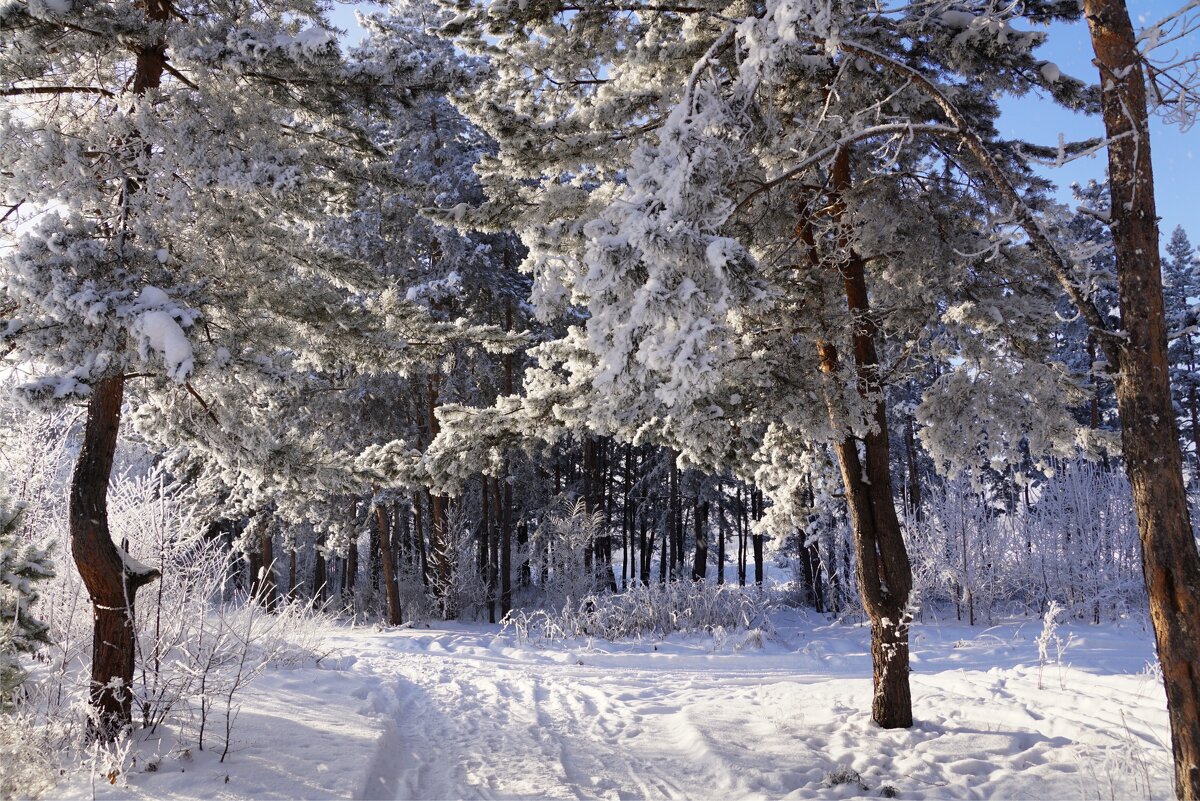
(467, 711)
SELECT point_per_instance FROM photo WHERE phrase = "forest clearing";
(604, 399)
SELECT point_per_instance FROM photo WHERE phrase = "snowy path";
(464, 711)
(474, 715)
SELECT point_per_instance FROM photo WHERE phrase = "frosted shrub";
(468, 590)
(653, 610)
(200, 642)
(1124, 769)
(23, 568)
(1051, 646)
(28, 754)
(558, 548)
(844, 775)
(1069, 537)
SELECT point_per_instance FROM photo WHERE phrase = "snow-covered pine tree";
(691, 178)
(1181, 289)
(167, 175)
(22, 566)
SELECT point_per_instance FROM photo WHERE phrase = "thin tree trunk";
(391, 588)
(1194, 411)
(506, 513)
(320, 581)
(439, 546)
(589, 502)
(700, 563)
(292, 573)
(664, 550)
(350, 583)
(673, 518)
(914, 477)
(419, 535)
(375, 549)
(721, 533)
(626, 520)
(1149, 436)
(525, 574)
(268, 587)
(759, 567)
(506, 550)
(741, 532)
(485, 541)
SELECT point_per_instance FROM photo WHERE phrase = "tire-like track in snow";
(471, 719)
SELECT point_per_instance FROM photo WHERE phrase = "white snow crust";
(462, 711)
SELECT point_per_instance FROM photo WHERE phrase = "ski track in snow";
(464, 711)
(473, 714)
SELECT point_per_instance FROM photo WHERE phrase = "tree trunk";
(589, 502)
(884, 572)
(506, 550)
(419, 536)
(112, 580)
(506, 513)
(485, 540)
(350, 582)
(292, 573)
(914, 477)
(439, 546)
(721, 533)
(741, 532)
(700, 563)
(493, 580)
(664, 550)
(673, 521)
(1149, 436)
(524, 573)
(391, 588)
(320, 582)
(757, 507)
(1194, 412)
(264, 586)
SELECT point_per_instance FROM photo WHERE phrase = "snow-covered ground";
(463, 711)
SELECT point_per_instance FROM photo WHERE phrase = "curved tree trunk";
(112, 580)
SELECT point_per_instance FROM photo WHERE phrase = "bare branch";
(55, 90)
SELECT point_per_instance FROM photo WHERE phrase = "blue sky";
(1176, 153)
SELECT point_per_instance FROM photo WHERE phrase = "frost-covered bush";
(1069, 538)
(844, 775)
(29, 748)
(468, 590)
(199, 644)
(23, 567)
(558, 553)
(651, 610)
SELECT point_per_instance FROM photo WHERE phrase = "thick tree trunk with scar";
(1149, 438)
(112, 580)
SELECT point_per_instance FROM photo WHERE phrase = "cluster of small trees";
(719, 271)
